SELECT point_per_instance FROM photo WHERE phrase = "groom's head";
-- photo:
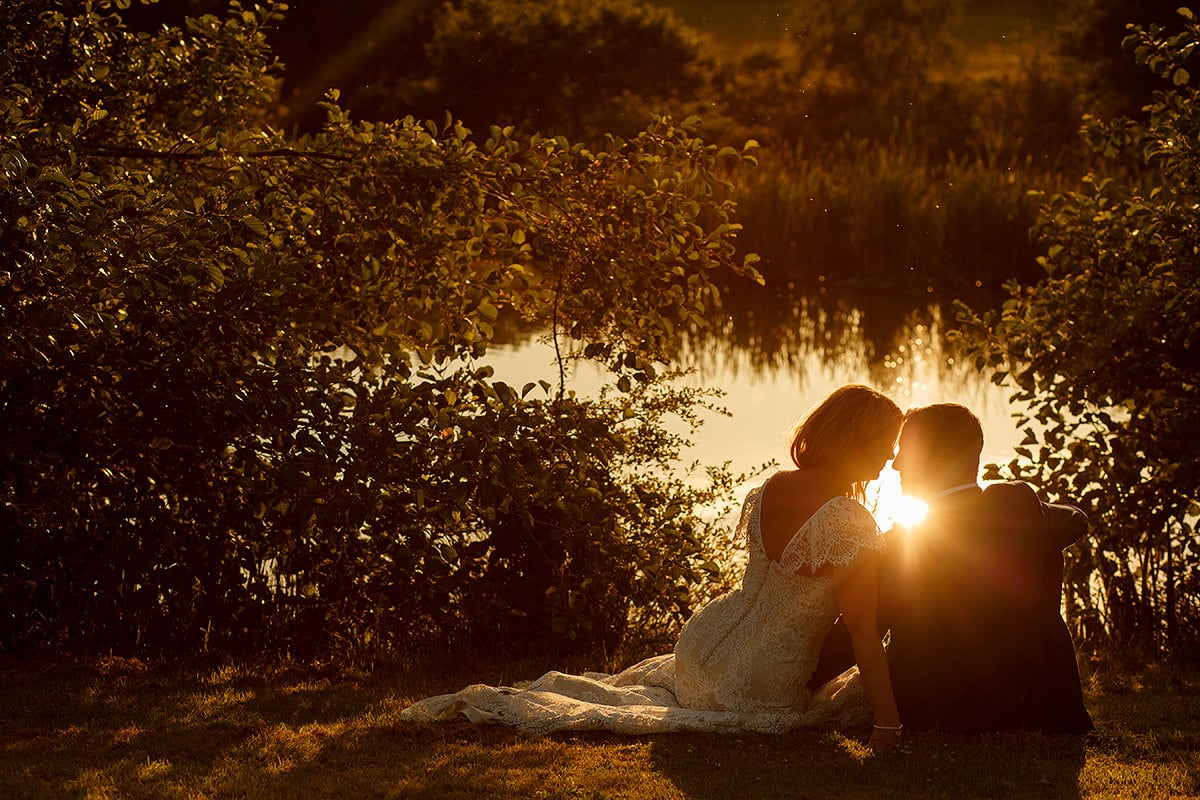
(939, 448)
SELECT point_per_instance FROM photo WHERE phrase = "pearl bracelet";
(896, 728)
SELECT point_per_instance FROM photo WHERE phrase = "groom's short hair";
(950, 433)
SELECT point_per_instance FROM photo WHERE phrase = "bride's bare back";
(789, 500)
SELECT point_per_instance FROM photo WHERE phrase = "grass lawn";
(114, 728)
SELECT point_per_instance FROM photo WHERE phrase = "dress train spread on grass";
(742, 662)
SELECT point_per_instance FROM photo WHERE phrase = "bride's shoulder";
(849, 505)
(839, 531)
(849, 512)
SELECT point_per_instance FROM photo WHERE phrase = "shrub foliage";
(1105, 355)
(243, 397)
(577, 67)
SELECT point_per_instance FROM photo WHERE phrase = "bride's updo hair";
(843, 426)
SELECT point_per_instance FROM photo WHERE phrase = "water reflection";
(778, 333)
(786, 328)
(776, 355)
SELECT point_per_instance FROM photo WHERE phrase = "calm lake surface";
(773, 374)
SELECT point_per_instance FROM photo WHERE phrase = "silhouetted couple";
(972, 594)
(970, 598)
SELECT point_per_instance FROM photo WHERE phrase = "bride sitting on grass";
(743, 661)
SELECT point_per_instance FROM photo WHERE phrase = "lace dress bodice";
(754, 649)
(742, 662)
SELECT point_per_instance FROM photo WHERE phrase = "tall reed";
(883, 217)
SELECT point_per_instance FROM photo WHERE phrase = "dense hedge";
(1104, 353)
(242, 403)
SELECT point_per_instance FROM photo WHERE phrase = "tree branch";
(166, 155)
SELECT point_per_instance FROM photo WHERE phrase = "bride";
(743, 661)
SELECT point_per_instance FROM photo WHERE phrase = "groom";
(972, 594)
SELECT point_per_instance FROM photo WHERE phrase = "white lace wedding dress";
(741, 664)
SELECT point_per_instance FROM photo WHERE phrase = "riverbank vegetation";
(244, 405)
(243, 408)
(1104, 354)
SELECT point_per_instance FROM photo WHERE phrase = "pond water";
(770, 378)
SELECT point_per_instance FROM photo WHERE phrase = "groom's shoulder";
(1015, 496)
(1010, 503)
(1010, 492)
(1016, 505)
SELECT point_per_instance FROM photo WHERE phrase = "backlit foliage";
(1105, 355)
(243, 404)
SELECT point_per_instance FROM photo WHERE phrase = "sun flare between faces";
(908, 511)
(890, 505)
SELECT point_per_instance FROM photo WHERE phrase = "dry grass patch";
(114, 729)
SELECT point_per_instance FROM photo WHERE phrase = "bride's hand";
(885, 740)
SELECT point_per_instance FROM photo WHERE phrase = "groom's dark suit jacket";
(972, 598)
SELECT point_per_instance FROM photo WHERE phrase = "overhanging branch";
(192, 155)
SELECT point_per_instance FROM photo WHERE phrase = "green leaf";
(216, 274)
(255, 224)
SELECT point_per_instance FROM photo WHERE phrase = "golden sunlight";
(890, 505)
(909, 511)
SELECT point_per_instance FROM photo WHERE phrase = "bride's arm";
(856, 587)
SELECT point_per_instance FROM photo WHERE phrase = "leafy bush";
(242, 403)
(1090, 35)
(575, 67)
(856, 68)
(1105, 355)
(873, 49)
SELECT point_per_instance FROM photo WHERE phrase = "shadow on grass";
(130, 731)
(119, 729)
(820, 764)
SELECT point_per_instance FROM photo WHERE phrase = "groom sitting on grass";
(973, 593)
